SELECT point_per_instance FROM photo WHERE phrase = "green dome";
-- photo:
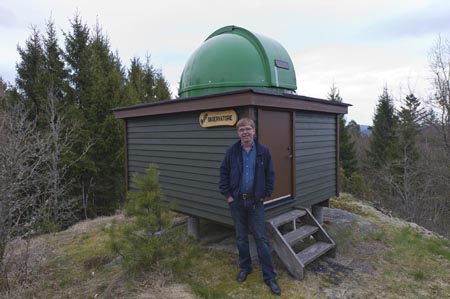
(234, 58)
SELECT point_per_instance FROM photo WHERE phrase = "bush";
(343, 180)
(355, 184)
(358, 186)
(143, 239)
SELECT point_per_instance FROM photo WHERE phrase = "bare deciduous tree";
(59, 206)
(440, 66)
(34, 183)
(23, 158)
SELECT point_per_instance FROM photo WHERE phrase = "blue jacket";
(231, 170)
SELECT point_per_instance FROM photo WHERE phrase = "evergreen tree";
(97, 81)
(411, 116)
(334, 95)
(162, 91)
(85, 82)
(156, 86)
(346, 149)
(384, 140)
(30, 73)
(135, 85)
(141, 241)
(42, 82)
(347, 155)
(41, 72)
(77, 56)
(408, 181)
(55, 76)
(149, 81)
(105, 93)
(354, 129)
(145, 83)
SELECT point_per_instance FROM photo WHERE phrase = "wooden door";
(275, 130)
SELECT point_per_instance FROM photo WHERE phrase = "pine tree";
(145, 84)
(334, 95)
(149, 81)
(30, 73)
(77, 56)
(162, 91)
(135, 86)
(56, 75)
(41, 73)
(156, 86)
(354, 129)
(384, 140)
(106, 92)
(408, 182)
(85, 81)
(411, 116)
(97, 81)
(141, 241)
(347, 155)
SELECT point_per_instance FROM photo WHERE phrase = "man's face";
(246, 133)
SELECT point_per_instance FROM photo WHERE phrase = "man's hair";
(245, 122)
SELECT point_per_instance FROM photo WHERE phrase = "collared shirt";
(248, 170)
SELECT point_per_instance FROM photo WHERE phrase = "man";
(246, 179)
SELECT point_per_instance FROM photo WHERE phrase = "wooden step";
(298, 230)
(300, 233)
(312, 252)
(286, 217)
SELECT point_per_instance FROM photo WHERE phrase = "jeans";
(248, 212)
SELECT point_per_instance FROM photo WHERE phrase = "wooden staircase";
(298, 239)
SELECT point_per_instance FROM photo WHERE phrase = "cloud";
(360, 71)
(7, 17)
(349, 42)
(430, 19)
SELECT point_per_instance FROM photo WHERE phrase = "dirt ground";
(357, 269)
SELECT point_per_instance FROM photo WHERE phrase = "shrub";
(142, 240)
(357, 186)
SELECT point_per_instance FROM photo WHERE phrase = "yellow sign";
(217, 118)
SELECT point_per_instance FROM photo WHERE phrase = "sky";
(359, 46)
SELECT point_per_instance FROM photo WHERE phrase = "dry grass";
(77, 263)
(378, 256)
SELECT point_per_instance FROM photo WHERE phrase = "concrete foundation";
(317, 212)
(193, 227)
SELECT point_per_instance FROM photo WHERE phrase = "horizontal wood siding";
(188, 157)
(315, 156)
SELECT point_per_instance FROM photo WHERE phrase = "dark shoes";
(274, 287)
(242, 276)
(272, 284)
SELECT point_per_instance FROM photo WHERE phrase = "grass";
(377, 236)
(414, 264)
(347, 202)
(393, 260)
(73, 266)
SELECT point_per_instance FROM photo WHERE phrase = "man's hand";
(230, 199)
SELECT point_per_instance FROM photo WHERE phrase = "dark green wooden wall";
(315, 135)
(188, 157)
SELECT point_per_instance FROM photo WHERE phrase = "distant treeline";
(403, 165)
